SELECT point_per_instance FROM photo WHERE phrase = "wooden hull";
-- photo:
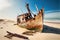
(35, 23)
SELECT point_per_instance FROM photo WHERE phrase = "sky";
(9, 9)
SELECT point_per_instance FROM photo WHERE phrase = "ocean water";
(52, 20)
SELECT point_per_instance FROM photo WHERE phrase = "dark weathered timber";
(10, 35)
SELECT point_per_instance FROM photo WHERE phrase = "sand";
(51, 31)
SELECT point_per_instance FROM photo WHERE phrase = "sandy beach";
(51, 31)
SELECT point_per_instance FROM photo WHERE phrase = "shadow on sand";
(48, 29)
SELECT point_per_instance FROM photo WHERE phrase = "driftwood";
(10, 35)
(31, 32)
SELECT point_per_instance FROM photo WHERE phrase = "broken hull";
(35, 23)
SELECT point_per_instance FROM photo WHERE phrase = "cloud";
(4, 4)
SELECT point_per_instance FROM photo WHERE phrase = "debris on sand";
(10, 35)
(31, 32)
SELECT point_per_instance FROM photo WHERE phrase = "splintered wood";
(34, 23)
(30, 22)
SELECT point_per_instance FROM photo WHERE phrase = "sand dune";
(51, 31)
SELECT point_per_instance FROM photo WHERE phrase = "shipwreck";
(26, 20)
